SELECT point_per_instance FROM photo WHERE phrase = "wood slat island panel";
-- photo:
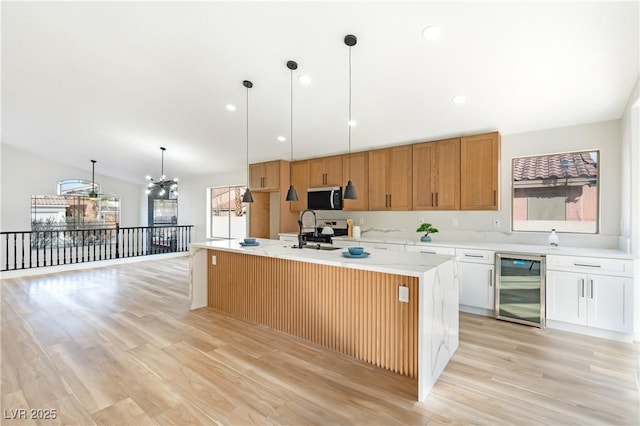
(352, 311)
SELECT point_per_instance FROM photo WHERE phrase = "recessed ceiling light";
(304, 79)
(459, 99)
(281, 139)
(352, 123)
(230, 107)
(432, 32)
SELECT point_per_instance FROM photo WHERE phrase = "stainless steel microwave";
(329, 198)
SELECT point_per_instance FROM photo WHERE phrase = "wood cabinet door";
(333, 171)
(399, 178)
(479, 158)
(378, 170)
(423, 194)
(272, 175)
(300, 180)
(259, 216)
(359, 174)
(325, 171)
(316, 172)
(256, 175)
(446, 174)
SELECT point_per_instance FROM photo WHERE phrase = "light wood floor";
(118, 345)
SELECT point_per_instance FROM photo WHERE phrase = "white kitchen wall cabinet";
(477, 287)
(591, 292)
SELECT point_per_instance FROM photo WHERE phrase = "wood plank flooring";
(118, 345)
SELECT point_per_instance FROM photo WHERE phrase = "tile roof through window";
(560, 166)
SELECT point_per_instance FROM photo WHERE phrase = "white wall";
(24, 175)
(192, 199)
(478, 226)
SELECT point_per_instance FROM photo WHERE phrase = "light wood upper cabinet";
(359, 174)
(300, 180)
(265, 176)
(436, 175)
(325, 171)
(390, 178)
(479, 171)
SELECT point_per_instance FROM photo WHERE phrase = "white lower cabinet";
(477, 289)
(592, 300)
(592, 292)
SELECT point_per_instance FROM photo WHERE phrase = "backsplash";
(471, 227)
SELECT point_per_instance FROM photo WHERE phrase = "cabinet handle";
(490, 278)
(436, 199)
(581, 287)
(477, 256)
(432, 200)
(389, 200)
(495, 200)
(587, 265)
(428, 252)
(381, 248)
(591, 285)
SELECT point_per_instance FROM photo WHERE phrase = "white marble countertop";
(401, 263)
(498, 247)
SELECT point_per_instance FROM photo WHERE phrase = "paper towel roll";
(356, 232)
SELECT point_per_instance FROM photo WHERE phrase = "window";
(227, 212)
(556, 191)
(72, 208)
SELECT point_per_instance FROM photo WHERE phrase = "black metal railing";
(35, 249)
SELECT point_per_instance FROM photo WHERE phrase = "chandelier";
(162, 185)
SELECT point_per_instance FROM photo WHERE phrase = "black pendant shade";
(247, 197)
(292, 195)
(350, 192)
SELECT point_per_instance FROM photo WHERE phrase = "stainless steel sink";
(317, 247)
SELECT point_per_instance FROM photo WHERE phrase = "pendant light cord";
(248, 170)
(291, 118)
(349, 124)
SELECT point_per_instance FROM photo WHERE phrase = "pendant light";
(292, 195)
(350, 190)
(162, 184)
(93, 194)
(247, 197)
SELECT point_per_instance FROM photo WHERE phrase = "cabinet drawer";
(591, 265)
(475, 256)
(431, 249)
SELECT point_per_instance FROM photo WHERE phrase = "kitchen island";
(397, 311)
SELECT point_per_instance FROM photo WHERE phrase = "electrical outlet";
(420, 220)
(497, 222)
(403, 293)
(454, 221)
(361, 220)
(213, 260)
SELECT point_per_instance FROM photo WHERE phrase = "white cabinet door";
(610, 302)
(567, 297)
(601, 301)
(476, 285)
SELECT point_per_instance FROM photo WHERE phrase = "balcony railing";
(35, 249)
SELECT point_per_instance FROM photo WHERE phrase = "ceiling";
(114, 81)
